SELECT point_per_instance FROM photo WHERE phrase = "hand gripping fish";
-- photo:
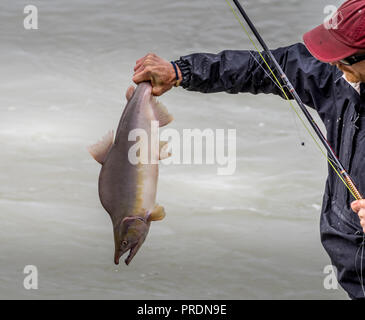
(127, 189)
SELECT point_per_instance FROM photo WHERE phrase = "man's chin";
(350, 76)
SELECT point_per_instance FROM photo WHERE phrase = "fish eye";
(124, 243)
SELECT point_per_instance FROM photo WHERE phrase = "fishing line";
(330, 161)
(300, 137)
(267, 74)
(298, 131)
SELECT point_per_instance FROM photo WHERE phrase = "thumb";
(356, 206)
(158, 90)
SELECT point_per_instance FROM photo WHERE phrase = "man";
(328, 72)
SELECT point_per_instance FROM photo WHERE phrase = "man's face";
(354, 73)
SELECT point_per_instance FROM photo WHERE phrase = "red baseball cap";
(340, 37)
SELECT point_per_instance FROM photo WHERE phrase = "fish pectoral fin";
(100, 149)
(129, 92)
(161, 113)
(163, 152)
(158, 213)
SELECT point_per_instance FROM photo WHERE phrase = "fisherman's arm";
(235, 71)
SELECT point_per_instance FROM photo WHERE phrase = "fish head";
(129, 235)
(141, 95)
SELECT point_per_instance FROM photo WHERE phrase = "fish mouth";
(132, 252)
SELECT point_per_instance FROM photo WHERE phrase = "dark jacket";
(340, 106)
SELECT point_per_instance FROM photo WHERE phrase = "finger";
(142, 76)
(357, 205)
(140, 69)
(157, 91)
(362, 222)
(145, 63)
(140, 61)
(149, 56)
(361, 212)
(149, 62)
(137, 66)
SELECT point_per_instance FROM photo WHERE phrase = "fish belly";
(127, 189)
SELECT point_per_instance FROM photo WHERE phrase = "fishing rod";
(345, 177)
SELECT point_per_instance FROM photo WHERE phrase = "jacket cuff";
(185, 69)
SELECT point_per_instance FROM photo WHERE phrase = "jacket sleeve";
(236, 71)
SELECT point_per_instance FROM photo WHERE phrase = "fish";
(127, 188)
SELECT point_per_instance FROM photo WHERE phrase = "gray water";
(251, 235)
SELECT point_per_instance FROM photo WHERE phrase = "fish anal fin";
(161, 113)
(100, 149)
(158, 213)
(163, 152)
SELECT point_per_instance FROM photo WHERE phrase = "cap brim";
(325, 47)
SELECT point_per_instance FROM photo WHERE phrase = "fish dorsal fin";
(161, 113)
(100, 149)
(158, 213)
